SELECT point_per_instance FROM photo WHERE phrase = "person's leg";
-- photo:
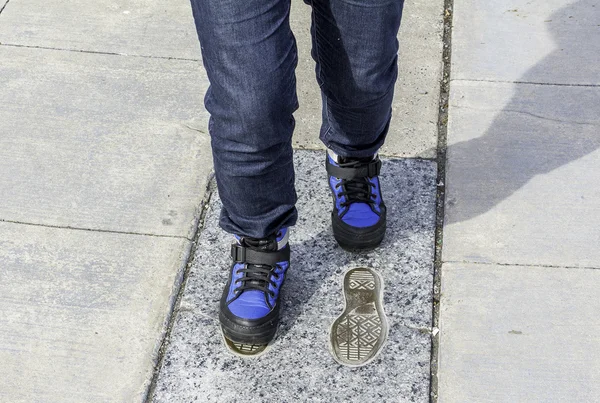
(250, 57)
(355, 48)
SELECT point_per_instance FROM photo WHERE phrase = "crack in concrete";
(499, 111)
(552, 120)
(4, 6)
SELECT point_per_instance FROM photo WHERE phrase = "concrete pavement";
(101, 179)
(103, 168)
(104, 162)
(518, 316)
(298, 366)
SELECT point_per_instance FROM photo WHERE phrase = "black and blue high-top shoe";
(359, 214)
(249, 309)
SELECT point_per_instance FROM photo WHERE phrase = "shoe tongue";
(358, 187)
(263, 245)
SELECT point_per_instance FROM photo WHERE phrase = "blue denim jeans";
(250, 56)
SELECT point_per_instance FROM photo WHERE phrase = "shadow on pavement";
(541, 128)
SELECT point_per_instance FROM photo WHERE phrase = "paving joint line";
(441, 194)
(546, 266)
(97, 52)
(93, 229)
(496, 110)
(4, 6)
(385, 155)
(176, 306)
(527, 83)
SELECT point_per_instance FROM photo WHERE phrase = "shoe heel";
(356, 242)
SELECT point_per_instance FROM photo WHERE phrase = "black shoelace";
(258, 276)
(357, 190)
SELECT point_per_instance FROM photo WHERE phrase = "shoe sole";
(244, 350)
(259, 335)
(356, 242)
(357, 335)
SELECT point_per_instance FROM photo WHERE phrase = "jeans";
(250, 56)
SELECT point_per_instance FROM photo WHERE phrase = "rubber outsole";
(244, 349)
(357, 335)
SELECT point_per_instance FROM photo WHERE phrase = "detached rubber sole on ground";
(358, 334)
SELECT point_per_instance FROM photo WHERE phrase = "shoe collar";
(336, 158)
(281, 238)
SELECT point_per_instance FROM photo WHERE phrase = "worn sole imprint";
(244, 350)
(358, 334)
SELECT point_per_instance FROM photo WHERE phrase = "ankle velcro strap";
(241, 254)
(370, 170)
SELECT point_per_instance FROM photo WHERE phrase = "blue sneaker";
(359, 213)
(249, 309)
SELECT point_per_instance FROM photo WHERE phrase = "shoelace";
(357, 190)
(257, 276)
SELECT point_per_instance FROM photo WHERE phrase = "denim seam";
(327, 132)
(327, 135)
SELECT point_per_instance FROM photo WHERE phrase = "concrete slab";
(522, 174)
(413, 132)
(298, 367)
(82, 313)
(154, 29)
(519, 334)
(102, 142)
(133, 27)
(554, 41)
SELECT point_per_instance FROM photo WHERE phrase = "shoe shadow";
(310, 272)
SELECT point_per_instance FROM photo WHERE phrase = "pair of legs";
(250, 56)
